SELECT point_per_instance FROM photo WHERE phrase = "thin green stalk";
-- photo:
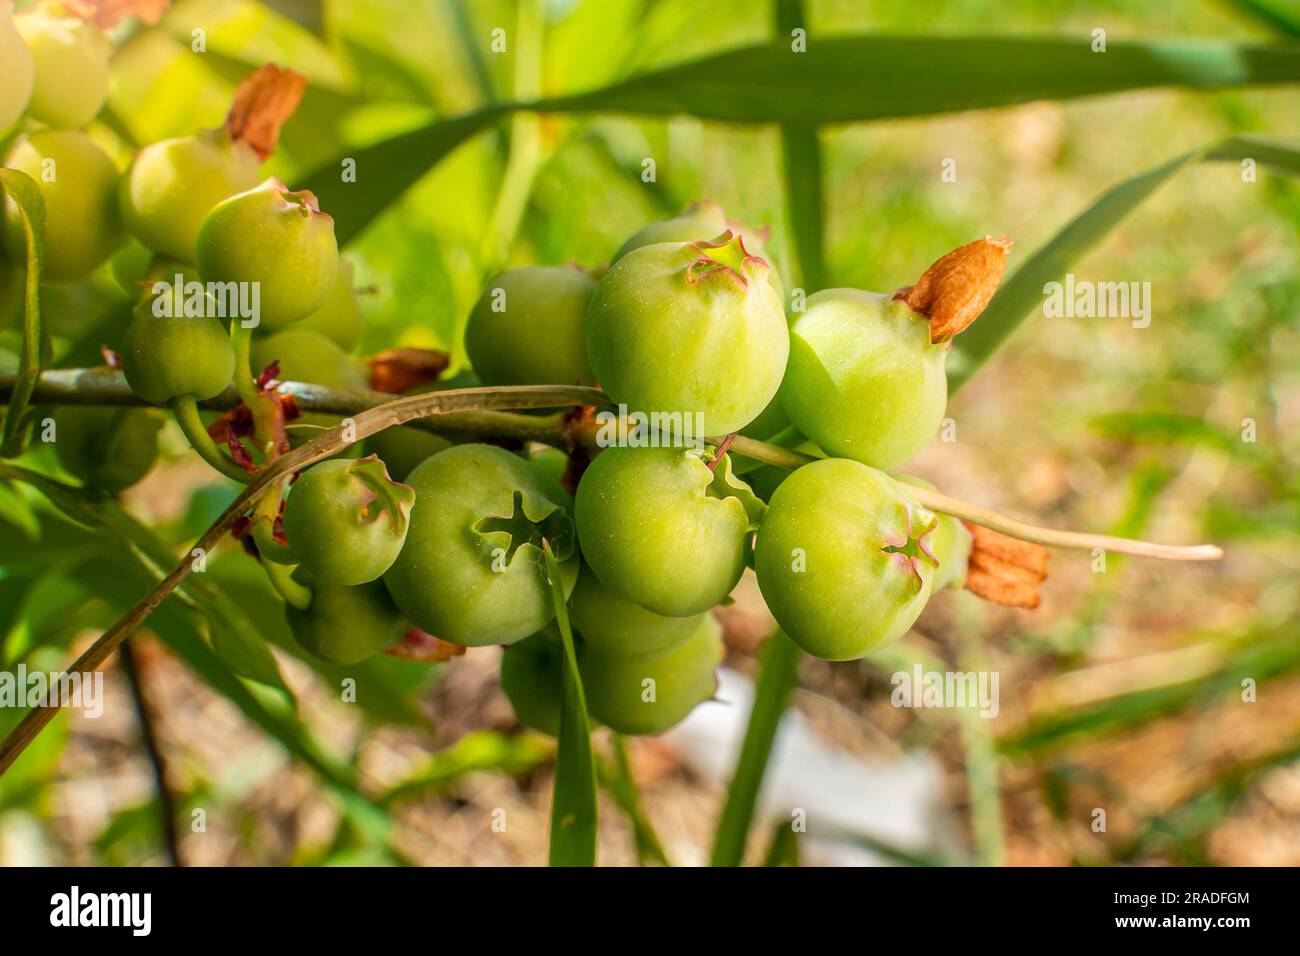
(780, 669)
(618, 781)
(294, 594)
(525, 139)
(186, 410)
(981, 751)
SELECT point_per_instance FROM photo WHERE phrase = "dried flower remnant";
(958, 287)
(1005, 570)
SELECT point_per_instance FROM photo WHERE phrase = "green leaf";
(848, 78)
(1276, 14)
(777, 680)
(618, 781)
(22, 189)
(802, 155)
(232, 635)
(837, 80)
(573, 800)
(387, 169)
(511, 754)
(1022, 294)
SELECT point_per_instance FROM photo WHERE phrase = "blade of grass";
(801, 156)
(775, 682)
(573, 800)
(1255, 655)
(510, 754)
(1021, 294)
(838, 80)
(981, 754)
(784, 848)
(617, 779)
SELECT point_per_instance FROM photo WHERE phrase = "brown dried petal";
(416, 645)
(396, 370)
(956, 289)
(1003, 569)
(263, 102)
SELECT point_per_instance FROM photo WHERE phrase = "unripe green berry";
(699, 220)
(71, 59)
(17, 72)
(844, 559)
(472, 571)
(532, 674)
(649, 693)
(79, 185)
(173, 185)
(864, 380)
(306, 356)
(610, 624)
(346, 520)
(165, 356)
(527, 327)
(339, 317)
(345, 625)
(107, 448)
(403, 447)
(687, 329)
(279, 240)
(660, 529)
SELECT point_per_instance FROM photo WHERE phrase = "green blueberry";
(339, 317)
(69, 309)
(346, 520)
(78, 183)
(472, 569)
(168, 355)
(689, 328)
(660, 529)
(173, 185)
(279, 240)
(532, 674)
(950, 542)
(129, 267)
(527, 327)
(306, 356)
(403, 448)
(844, 559)
(610, 624)
(864, 381)
(105, 447)
(17, 72)
(698, 220)
(345, 625)
(71, 60)
(648, 693)
(771, 421)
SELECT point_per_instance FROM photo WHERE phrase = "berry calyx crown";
(725, 258)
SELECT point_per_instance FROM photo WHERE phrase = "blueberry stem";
(186, 410)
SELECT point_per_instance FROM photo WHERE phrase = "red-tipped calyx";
(380, 498)
(911, 549)
(958, 287)
(725, 258)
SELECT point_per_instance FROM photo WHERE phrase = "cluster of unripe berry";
(686, 321)
(687, 325)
